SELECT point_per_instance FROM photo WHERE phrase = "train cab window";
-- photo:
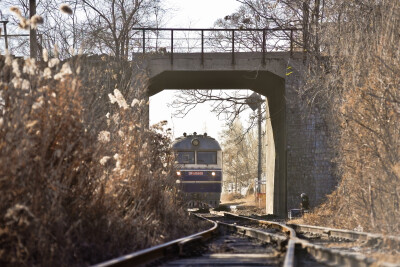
(186, 157)
(206, 157)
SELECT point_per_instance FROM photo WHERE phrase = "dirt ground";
(245, 205)
(235, 199)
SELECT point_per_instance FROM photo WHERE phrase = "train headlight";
(195, 142)
(213, 173)
(178, 181)
(178, 173)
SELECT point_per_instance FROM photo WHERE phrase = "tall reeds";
(82, 178)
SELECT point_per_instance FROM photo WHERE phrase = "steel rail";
(289, 260)
(347, 234)
(335, 257)
(157, 252)
(332, 256)
(343, 258)
(275, 225)
(320, 253)
(177, 246)
(329, 255)
(255, 233)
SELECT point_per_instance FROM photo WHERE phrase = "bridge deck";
(275, 62)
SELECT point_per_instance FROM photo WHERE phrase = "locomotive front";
(199, 172)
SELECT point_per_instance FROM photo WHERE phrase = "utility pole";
(5, 33)
(254, 101)
(32, 33)
(259, 149)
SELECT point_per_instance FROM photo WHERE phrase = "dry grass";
(359, 84)
(236, 198)
(82, 180)
(248, 204)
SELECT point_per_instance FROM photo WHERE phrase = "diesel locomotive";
(199, 174)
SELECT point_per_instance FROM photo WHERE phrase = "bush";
(359, 84)
(81, 181)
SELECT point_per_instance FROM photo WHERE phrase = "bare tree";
(110, 24)
(58, 29)
(61, 29)
(360, 90)
(226, 104)
(240, 155)
(248, 17)
(106, 26)
(306, 15)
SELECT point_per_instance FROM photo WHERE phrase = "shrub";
(360, 86)
(81, 180)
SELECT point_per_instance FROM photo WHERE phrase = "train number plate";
(195, 173)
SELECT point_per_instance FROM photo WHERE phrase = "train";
(199, 169)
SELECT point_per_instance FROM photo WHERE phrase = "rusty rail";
(289, 260)
(383, 240)
(149, 255)
(327, 255)
(320, 253)
(176, 247)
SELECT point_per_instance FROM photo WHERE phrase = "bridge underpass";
(267, 74)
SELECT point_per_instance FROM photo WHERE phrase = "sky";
(193, 14)
(190, 14)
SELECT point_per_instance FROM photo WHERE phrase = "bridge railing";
(187, 40)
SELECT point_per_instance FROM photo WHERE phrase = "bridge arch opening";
(263, 82)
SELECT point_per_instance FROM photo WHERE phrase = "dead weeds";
(82, 178)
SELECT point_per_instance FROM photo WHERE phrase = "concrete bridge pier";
(280, 179)
(273, 87)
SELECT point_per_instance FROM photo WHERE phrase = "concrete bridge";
(302, 159)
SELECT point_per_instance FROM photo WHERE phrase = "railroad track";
(243, 241)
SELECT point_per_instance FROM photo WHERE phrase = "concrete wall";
(269, 153)
(215, 66)
(309, 166)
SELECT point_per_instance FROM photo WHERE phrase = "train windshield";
(206, 157)
(186, 157)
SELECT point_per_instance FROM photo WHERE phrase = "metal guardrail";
(179, 40)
